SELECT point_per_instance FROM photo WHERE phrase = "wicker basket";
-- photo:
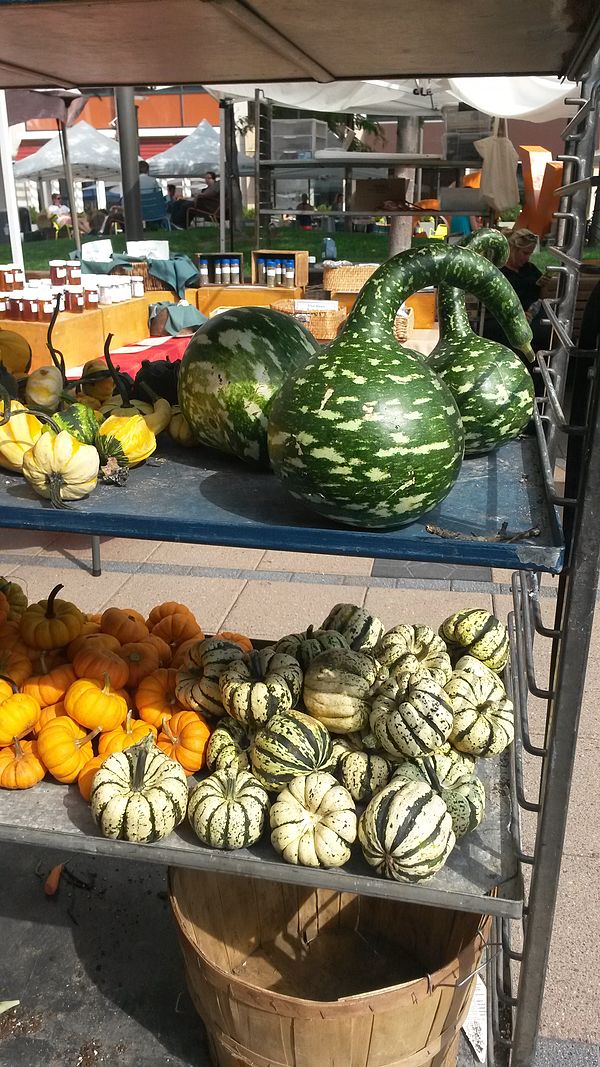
(348, 279)
(404, 326)
(323, 325)
(140, 267)
(282, 974)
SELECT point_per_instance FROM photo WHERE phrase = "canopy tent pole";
(12, 208)
(222, 197)
(130, 172)
(64, 144)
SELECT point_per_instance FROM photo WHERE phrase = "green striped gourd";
(406, 831)
(452, 775)
(337, 689)
(260, 684)
(197, 681)
(290, 744)
(305, 646)
(412, 724)
(228, 809)
(139, 794)
(364, 432)
(362, 772)
(405, 649)
(230, 371)
(228, 746)
(483, 714)
(313, 821)
(79, 420)
(361, 629)
(492, 387)
(475, 632)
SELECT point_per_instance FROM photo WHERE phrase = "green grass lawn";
(357, 247)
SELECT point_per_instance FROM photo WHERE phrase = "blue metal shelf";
(202, 497)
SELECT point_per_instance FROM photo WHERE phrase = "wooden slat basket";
(349, 278)
(323, 325)
(141, 267)
(404, 326)
(285, 976)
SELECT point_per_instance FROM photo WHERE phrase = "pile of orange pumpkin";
(75, 687)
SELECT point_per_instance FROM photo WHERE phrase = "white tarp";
(191, 157)
(532, 99)
(94, 157)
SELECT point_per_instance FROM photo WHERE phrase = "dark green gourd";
(364, 432)
(491, 386)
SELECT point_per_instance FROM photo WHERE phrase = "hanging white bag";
(499, 186)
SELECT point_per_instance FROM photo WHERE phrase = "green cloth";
(176, 272)
(180, 316)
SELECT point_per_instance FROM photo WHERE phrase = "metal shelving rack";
(223, 512)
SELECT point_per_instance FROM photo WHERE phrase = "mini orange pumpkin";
(86, 775)
(18, 715)
(179, 653)
(141, 659)
(155, 696)
(51, 711)
(10, 636)
(93, 639)
(184, 738)
(170, 607)
(50, 687)
(15, 664)
(124, 623)
(94, 705)
(177, 628)
(98, 663)
(51, 623)
(238, 639)
(20, 765)
(162, 648)
(64, 748)
(126, 735)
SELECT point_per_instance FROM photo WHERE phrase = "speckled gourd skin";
(364, 432)
(492, 388)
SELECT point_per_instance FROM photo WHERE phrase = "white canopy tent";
(194, 155)
(94, 157)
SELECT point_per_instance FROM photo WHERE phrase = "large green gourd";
(491, 386)
(364, 432)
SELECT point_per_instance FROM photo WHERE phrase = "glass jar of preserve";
(58, 271)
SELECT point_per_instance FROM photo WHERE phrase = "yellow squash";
(44, 387)
(61, 468)
(125, 438)
(15, 352)
(17, 435)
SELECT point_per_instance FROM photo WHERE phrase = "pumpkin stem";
(107, 687)
(116, 377)
(168, 731)
(55, 483)
(55, 355)
(140, 753)
(430, 771)
(149, 391)
(17, 748)
(11, 682)
(81, 741)
(254, 665)
(7, 400)
(309, 632)
(50, 601)
(128, 718)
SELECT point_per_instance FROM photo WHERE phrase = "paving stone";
(400, 568)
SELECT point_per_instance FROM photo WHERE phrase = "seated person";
(305, 205)
(58, 211)
(528, 282)
(204, 205)
(147, 184)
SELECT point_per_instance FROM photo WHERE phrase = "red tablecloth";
(129, 357)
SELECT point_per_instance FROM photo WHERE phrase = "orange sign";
(541, 177)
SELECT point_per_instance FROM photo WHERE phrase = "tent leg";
(6, 166)
(222, 191)
(129, 148)
(64, 144)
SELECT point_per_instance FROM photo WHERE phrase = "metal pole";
(64, 145)
(257, 141)
(6, 165)
(222, 199)
(129, 149)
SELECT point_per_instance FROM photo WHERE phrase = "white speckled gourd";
(361, 629)
(360, 771)
(313, 822)
(483, 714)
(337, 689)
(475, 632)
(410, 651)
(260, 684)
(406, 831)
(228, 809)
(305, 646)
(452, 775)
(197, 681)
(228, 746)
(364, 432)
(412, 724)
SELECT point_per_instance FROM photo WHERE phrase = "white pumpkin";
(313, 821)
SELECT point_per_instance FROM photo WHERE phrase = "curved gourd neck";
(452, 313)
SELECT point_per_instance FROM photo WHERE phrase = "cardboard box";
(371, 194)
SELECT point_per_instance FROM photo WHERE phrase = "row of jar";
(37, 302)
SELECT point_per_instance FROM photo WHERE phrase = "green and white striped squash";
(260, 684)
(452, 775)
(290, 744)
(362, 772)
(139, 794)
(475, 632)
(492, 387)
(228, 809)
(231, 370)
(197, 681)
(412, 724)
(405, 650)
(361, 629)
(337, 689)
(79, 420)
(305, 646)
(364, 432)
(483, 714)
(406, 831)
(313, 822)
(228, 746)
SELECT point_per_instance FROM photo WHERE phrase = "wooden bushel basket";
(285, 976)
(140, 267)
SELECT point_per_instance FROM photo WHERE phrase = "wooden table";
(210, 297)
